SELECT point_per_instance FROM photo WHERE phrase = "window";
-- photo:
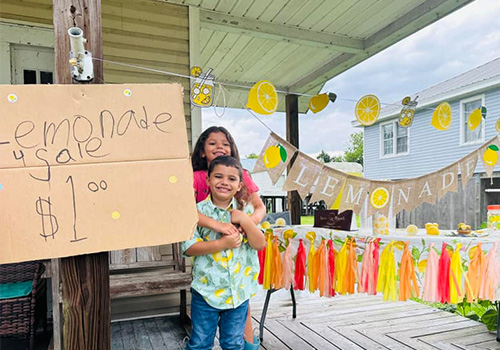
(394, 139)
(469, 136)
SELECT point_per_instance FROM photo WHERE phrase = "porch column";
(84, 278)
(292, 136)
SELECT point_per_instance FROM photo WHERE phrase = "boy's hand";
(237, 216)
(226, 228)
(231, 241)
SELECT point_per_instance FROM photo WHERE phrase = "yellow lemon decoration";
(273, 155)
(203, 280)
(237, 268)
(217, 256)
(247, 271)
(311, 235)
(263, 98)
(229, 300)
(412, 230)
(432, 229)
(441, 117)
(195, 71)
(379, 198)
(474, 119)
(280, 222)
(219, 292)
(490, 156)
(287, 234)
(367, 109)
(318, 102)
(256, 276)
(422, 265)
(497, 125)
(265, 225)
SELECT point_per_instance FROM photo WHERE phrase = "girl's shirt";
(201, 187)
(227, 278)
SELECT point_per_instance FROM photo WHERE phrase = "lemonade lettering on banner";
(354, 194)
(379, 197)
(403, 195)
(302, 175)
(467, 166)
(426, 189)
(448, 180)
(329, 186)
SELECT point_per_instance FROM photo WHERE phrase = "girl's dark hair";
(242, 195)
(199, 162)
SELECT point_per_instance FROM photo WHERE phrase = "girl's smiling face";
(224, 182)
(216, 145)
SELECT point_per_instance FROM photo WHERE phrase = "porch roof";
(300, 44)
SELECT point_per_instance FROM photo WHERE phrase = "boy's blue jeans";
(205, 319)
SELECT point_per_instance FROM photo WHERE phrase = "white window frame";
(463, 119)
(394, 140)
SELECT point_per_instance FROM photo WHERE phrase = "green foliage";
(354, 150)
(324, 157)
(252, 156)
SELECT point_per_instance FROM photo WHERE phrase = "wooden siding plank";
(211, 46)
(121, 50)
(240, 45)
(273, 55)
(116, 22)
(145, 40)
(223, 49)
(150, 11)
(357, 12)
(377, 11)
(225, 6)
(319, 13)
(125, 256)
(260, 7)
(305, 11)
(209, 4)
(163, 66)
(241, 8)
(274, 12)
(333, 15)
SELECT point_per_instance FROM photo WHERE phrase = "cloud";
(463, 40)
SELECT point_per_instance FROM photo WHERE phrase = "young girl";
(225, 266)
(212, 143)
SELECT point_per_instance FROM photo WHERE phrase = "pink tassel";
(331, 268)
(369, 269)
(491, 275)
(300, 267)
(288, 266)
(444, 275)
(430, 290)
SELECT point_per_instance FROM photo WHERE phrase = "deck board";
(350, 322)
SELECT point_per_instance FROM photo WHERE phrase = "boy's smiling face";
(224, 183)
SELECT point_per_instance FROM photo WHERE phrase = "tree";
(354, 150)
(252, 156)
(324, 157)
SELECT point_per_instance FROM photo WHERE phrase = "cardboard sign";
(90, 168)
(333, 219)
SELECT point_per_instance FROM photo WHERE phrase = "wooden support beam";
(85, 278)
(266, 30)
(292, 136)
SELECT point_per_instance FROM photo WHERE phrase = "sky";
(461, 41)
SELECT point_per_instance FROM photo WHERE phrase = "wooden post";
(292, 136)
(85, 278)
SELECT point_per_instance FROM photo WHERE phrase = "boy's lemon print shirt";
(227, 278)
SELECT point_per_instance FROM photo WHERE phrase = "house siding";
(429, 149)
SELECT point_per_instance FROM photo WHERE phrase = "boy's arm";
(210, 247)
(259, 209)
(221, 227)
(255, 237)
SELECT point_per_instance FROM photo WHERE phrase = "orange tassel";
(474, 273)
(277, 271)
(351, 275)
(323, 279)
(408, 286)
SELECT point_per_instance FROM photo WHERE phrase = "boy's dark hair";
(242, 195)
(200, 163)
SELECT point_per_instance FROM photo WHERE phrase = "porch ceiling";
(300, 44)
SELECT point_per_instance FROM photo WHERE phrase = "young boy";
(225, 266)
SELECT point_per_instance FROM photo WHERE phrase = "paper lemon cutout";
(318, 102)
(490, 156)
(412, 230)
(288, 234)
(280, 222)
(263, 98)
(441, 117)
(379, 197)
(497, 125)
(367, 109)
(422, 265)
(474, 119)
(195, 71)
(265, 225)
(274, 155)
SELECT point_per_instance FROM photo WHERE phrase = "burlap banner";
(354, 193)
(329, 186)
(380, 197)
(467, 167)
(404, 195)
(489, 155)
(274, 157)
(447, 180)
(304, 172)
(426, 189)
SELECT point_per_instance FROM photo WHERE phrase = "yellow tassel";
(386, 282)
(340, 268)
(312, 275)
(456, 276)
(268, 264)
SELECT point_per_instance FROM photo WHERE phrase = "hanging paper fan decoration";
(263, 98)
(441, 117)
(407, 112)
(367, 110)
(318, 102)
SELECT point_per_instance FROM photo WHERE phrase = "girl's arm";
(259, 210)
(210, 247)
(226, 228)
(254, 235)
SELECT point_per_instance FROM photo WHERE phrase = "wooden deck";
(352, 322)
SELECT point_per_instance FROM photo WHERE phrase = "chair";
(19, 316)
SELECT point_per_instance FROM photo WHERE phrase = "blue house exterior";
(392, 152)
